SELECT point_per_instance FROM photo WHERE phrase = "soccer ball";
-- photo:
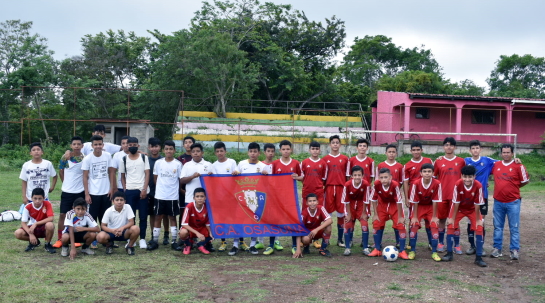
(9, 215)
(390, 253)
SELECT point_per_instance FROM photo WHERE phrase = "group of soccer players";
(440, 194)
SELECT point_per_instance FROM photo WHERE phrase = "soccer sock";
(187, 242)
(155, 235)
(223, 239)
(271, 241)
(202, 243)
(325, 240)
(236, 242)
(253, 241)
(59, 235)
(294, 241)
(428, 233)
(457, 237)
(441, 235)
(340, 231)
(402, 237)
(165, 234)
(348, 237)
(241, 239)
(396, 232)
(365, 234)
(261, 239)
(470, 235)
(377, 235)
(174, 233)
(413, 237)
(450, 239)
(480, 243)
(434, 237)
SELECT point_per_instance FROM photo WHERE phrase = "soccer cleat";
(64, 251)
(347, 252)
(57, 244)
(94, 245)
(293, 250)
(408, 247)
(480, 262)
(317, 244)
(435, 257)
(340, 243)
(306, 250)
(496, 253)
(448, 257)
(209, 247)
(88, 251)
(325, 253)
(259, 245)
(244, 246)
(165, 241)
(375, 253)
(403, 255)
(366, 251)
(440, 247)
(175, 246)
(223, 246)
(268, 251)
(186, 250)
(49, 248)
(203, 250)
(233, 251)
(278, 246)
(109, 250)
(429, 247)
(471, 251)
(142, 244)
(412, 255)
(31, 246)
(253, 250)
(458, 250)
(130, 250)
(514, 254)
(152, 245)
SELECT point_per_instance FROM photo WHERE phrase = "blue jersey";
(484, 168)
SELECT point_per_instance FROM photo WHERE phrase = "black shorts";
(120, 238)
(67, 201)
(78, 236)
(166, 207)
(484, 208)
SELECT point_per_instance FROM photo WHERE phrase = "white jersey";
(168, 179)
(73, 174)
(75, 221)
(188, 170)
(99, 181)
(245, 167)
(37, 175)
(116, 163)
(226, 167)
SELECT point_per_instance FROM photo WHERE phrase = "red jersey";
(367, 164)
(195, 218)
(448, 171)
(396, 170)
(412, 169)
(315, 173)
(32, 215)
(292, 167)
(467, 197)
(508, 178)
(336, 169)
(382, 195)
(425, 195)
(355, 196)
(313, 221)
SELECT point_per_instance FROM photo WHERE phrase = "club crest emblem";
(250, 200)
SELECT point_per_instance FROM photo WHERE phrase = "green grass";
(537, 291)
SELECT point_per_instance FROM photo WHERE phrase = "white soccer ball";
(9, 215)
(390, 253)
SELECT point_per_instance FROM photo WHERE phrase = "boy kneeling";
(37, 222)
(79, 227)
(118, 225)
(195, 223)
(318, 221)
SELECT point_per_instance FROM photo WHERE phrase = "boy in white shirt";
(100, 130)
(36, 173)
(192, 170)
(79, 228)
(118, 160)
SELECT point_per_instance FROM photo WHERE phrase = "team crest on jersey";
(456, 164)
(250, 200)
(307, 166)
(206, 168)
(44, 210)
(227, 169)
(510, 169)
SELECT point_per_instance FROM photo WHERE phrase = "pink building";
(458, 114)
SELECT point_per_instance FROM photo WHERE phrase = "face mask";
(133, 149)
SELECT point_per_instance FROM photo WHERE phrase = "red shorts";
(39, 231)
(333, 199)
(202, 230)
(319, 194)
(443, 208)
(319, 235)
(470, 214)
(387, 212)
(425, 212)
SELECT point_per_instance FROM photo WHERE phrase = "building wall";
(528, 128)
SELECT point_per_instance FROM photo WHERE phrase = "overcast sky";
(466, 36)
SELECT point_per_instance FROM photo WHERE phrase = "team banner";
(253, 205)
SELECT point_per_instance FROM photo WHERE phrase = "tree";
(465, 87)
(413, 82)
(518, 76)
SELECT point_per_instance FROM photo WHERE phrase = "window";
(422, 113)
(483, 117)
(540, 115)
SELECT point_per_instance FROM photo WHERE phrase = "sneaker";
(435, 257)
(440, 247)
(209, 247)
(293, 250)
(268, 251)
(347, 252)
(366, 251)
(94, 245)
(496, 253)
(109, 250)
(78, 244)
(142, 244)
(233, 251)
(64, 251)
(375, 253)
(317, 244)
(49, 248)
(480, 262)
(88, 251)
(458, 250)
(259, 245)
(253, 250)
(408, 247)
(448, 257)
(165, 241)
(57, 244)
(412, 255)
(403, 255)
(130, 250)
(30, 247)
(244, 246)
(203, 250)
(278, 246)
(325, 253)
(223, 246)
(306, 250)
(187, 250)
(471, 251)
(152, 245)
(340, 243)
(514, 254)
(175, 246)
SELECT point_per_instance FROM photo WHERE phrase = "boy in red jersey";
(447, 170)
(314, 172)
(467, 198)
(425, 193)
(195, 223)
(362, 160)
(388, 205)
(37, 222)
(337, 164)
(318, 221)
(355, 197)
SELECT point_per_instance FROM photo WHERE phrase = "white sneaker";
(142, 244)
(64, 251)
(88, 251)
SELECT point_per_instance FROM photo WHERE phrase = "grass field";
(167, 276)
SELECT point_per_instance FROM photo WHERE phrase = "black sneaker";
(306, 250)
(234, 251)
(175, 246)
(480, 262)
(30, 247)
(325, 253)
(165, 241)
(49, 248)
(130, 251)
(109, 249)
(152, 245)
(448, 257)
(253, 250)
(210, 247)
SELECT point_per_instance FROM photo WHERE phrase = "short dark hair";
(334, 137)
(426, 166)
(79, 202)
(314, 144)
(469, 170)
(284, 142)
(154, 141)
(362, 140)
(254, 145)
(474, 143)
(99, 128)
(36, 144)
(96, 138)
(507, 145)
(38, 192)
(219, 145)
(311, 195)
(196, 145)
(356, 168)
(132, 140)
(170, 143)
(416, 144)
(391, 146)
(199, 190)
(384, 170)
(119, 194)
(268, 145)
(188, 138)
(76, 138)
(125, 138)
(450, 140)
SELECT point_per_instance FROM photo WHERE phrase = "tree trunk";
(310, 99)
(37, 102)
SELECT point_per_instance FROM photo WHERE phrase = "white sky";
(466, 36)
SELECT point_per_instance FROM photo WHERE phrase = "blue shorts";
(120, 238)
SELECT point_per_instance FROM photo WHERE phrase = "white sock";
(253, 241)
(261, 239)
(173, 233)
(156, 232)
(236, 242)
